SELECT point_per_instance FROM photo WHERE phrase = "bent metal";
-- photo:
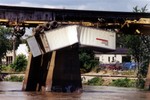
(55, 61)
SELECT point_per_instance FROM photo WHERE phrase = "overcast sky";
(101, 5)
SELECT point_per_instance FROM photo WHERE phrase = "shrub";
(87, 59)
(95, 81)
(140, 83)
(20, 63)
(124, 83)
(14, 78)
(7, 69)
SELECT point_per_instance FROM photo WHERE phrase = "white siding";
(104, 58)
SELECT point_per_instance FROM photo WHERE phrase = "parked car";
(128, 65)
(114, 67)
(110, 66)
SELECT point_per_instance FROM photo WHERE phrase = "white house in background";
(8, 58)
(119, 55)
(22, 49)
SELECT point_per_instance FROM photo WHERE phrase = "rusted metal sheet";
(21, 14)
(25, 15)
(139, 27)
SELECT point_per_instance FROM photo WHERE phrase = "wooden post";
(50, 72)
(27, 72)
(147, 82)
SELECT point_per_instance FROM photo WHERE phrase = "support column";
(66, 75)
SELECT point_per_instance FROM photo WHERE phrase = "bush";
(95, 81)
(20, 63)
(14, 78)
(87, 59)
(124, 83)
(140, 83)
(5, 68)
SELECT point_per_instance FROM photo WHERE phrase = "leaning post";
(147, 82)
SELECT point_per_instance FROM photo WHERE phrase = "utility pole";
(14, 48)
(17, 33)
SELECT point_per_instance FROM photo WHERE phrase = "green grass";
(124, 82)
(95, 81)
(14, 78)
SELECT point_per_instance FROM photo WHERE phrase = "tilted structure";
(63, 43)
(54, 65)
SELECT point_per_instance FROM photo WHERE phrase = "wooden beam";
(50, 72)
(27, 72)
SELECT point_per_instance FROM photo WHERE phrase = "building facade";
(119, 56)
(8, 58)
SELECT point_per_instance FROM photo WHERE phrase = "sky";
(100, 5)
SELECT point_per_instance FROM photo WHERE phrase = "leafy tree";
(20, 63)
(5, 43)
(139, 47)
(143, 9)
(87, 60)
(144, 52)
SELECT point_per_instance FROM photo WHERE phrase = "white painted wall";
(22, 49)
(109, 58)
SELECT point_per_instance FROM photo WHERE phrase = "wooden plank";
(44, 43)
(27, 72)
(50, 72)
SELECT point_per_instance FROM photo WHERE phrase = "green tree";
(20, 63)
(139, 47)
(87, 60)
(137, 9)
(144, 52)
(5, 43)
